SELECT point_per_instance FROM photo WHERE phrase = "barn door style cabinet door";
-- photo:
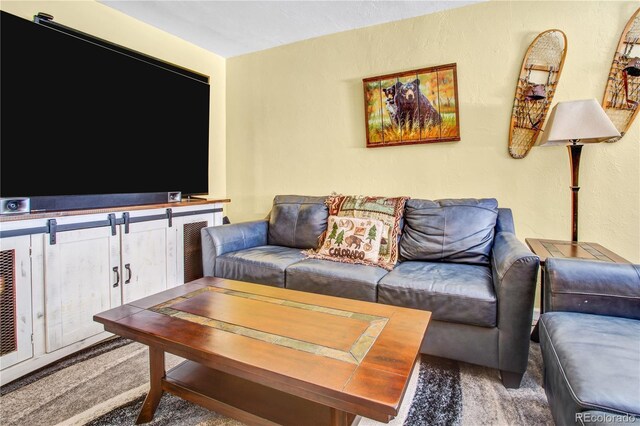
(81, 277)
(66, 268)
(148, 259)
(90, 270)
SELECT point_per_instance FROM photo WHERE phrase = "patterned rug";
(106, 384)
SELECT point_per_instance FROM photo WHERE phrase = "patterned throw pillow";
(388, 210)
(352, 240)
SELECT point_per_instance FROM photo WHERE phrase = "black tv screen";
(80, 117)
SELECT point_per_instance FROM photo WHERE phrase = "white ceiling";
(231, 28)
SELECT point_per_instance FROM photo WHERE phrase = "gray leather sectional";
(590, 341)
(459, 259)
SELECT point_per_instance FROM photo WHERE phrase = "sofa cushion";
(348, 280)
(262, 264)
(592, 362)
(297, 221)
(451, 230)
(452, 292)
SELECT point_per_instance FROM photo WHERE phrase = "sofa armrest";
(504, 223)
(218, 240)
(515, 271)
(593, 287)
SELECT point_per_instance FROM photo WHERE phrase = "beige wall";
(295, 120)
(104, 22)
(291, 119)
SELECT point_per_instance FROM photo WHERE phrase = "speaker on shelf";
(14, 205)
(174, 197)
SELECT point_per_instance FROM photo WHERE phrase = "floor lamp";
(575, 123)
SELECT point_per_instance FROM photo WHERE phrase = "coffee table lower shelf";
(247, 401)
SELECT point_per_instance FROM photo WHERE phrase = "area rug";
(106, 384)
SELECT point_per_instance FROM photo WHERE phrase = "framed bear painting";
(412, 107)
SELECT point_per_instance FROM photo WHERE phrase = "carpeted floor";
(106, 384)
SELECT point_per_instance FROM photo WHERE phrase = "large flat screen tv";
(86, 123)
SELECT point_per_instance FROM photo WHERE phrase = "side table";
(566, 249)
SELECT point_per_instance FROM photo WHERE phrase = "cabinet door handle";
(115, 269)
(128, 268)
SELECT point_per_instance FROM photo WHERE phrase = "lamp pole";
(572, 124)
(575, 149)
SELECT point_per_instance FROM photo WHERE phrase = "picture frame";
(412, 107)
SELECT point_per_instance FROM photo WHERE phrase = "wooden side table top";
(575, 250)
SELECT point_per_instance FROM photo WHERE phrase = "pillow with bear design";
(352, 240)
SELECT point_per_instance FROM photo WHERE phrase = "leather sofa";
(482, 305)
(590, 342)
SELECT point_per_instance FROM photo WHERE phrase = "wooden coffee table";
(267, 355)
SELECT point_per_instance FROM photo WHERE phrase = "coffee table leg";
(156, 374)
(342, 418)
(338, 418)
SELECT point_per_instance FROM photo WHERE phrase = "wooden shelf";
(54, 214)
(241, 399)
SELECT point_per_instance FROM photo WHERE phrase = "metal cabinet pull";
(115, 269)
(128, 268)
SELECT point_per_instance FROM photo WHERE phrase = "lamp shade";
(581, 121)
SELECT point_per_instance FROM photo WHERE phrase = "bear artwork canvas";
(418, 106)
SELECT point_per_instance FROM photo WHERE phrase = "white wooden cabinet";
(85, 264)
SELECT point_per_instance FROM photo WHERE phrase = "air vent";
(193, 251)
(8, 326)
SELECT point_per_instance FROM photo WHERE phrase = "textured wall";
(104, 22)
(295, 120)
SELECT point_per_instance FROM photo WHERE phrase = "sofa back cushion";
(297, 221)
(451, 230)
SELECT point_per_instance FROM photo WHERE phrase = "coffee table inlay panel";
(334, 333)
(230, 352)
